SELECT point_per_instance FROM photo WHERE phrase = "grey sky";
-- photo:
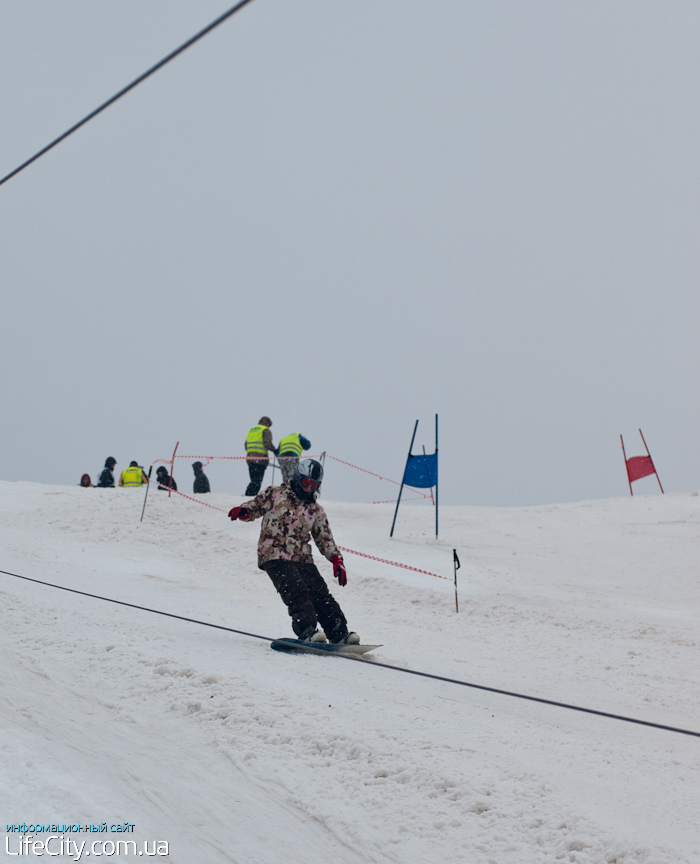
(349, 216)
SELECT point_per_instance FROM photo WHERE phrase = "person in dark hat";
(164, 480)
(106, 478)
(201, 483)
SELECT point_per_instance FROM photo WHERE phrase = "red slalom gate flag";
(639, 466)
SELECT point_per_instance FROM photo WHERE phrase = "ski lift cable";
(125, 90)
(376, 663)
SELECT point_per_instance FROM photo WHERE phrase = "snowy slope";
(232, 752)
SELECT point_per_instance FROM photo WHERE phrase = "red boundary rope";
(328, 456)
(190, 498)
(393, 563)
(357, 468)
(342, 548)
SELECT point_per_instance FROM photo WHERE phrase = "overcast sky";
(348, 216)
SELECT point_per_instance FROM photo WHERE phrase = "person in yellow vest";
(288, 453)
(257, 444)
(133, 475)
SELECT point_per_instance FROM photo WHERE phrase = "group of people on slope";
(258, 444)
(291, 517)
(134, 475)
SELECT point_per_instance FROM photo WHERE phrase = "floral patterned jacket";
(288, 526)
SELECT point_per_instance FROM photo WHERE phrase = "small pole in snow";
(432, 497)
(146, 495)
(652, 463)
(624, 456)
(436, 477)
(457, 565)
(172, 470)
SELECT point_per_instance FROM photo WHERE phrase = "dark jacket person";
(201, 483)
(163, 479)
(106, 478)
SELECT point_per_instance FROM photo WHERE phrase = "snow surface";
(232, 752)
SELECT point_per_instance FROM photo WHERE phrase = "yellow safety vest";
(291, 445)
(132, 476)
(254, 441)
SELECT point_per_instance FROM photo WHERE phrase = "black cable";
(143, 608)
(377, 663)
(134, 83)
(531, 698)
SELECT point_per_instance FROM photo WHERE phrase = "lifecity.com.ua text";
(56, 845)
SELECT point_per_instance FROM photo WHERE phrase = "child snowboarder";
(291, 517)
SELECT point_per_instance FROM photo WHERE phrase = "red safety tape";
(394, 563)
(328, 456)
(190, 498)
(357, 467)
(183, 456)
(252, 458)
(342, 548)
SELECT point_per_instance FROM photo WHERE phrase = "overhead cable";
(125, 90)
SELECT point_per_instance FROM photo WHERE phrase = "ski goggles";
(309, 485)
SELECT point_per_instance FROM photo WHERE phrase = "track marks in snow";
(358, 762)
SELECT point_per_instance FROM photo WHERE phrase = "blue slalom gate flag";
(421, 471)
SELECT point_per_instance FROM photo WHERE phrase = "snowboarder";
(258, 441)
(85, 481)
(291, 517)
(201, 481)
(106, 478)
(288, 453)
(164, 480)
(133, 475)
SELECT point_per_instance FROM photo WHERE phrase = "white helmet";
(307, 479)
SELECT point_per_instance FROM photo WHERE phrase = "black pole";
(432, 497)
(436, 476)
(146, 495)
(391, 533)
(457, 565)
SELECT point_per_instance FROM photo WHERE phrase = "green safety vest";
(132, 476)
(254, 441)
(291, 445)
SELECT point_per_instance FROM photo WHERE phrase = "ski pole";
(457, 565)
(146, 495)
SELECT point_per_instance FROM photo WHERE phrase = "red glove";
(239, 513)
(339, 570)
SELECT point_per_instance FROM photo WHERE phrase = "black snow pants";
(256, 470)
(307, 598)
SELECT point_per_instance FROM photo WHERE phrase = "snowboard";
(296, 646)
